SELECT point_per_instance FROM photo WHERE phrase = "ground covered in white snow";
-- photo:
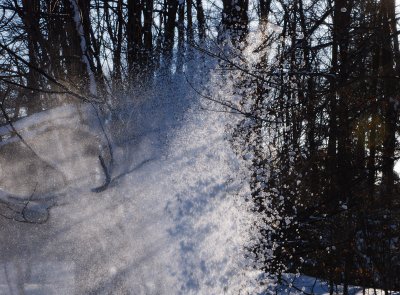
(169, 222)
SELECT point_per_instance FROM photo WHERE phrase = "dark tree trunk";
(169, 33)
(31, 16)
(134, 38)
(234, 20)
(148, 41)
(181, 38)
(201, 20)
(189, 32)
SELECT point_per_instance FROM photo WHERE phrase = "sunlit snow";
(169, 223)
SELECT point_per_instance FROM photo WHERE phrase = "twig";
(230, 106)
(108, 177)
(27, 203)
(107, 170)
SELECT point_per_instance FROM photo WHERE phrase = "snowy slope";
(168, 224)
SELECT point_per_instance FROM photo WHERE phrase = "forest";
(283, 114)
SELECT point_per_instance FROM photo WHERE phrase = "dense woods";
(322, 130)
(318, 83)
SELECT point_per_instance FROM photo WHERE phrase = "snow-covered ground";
(169, 223)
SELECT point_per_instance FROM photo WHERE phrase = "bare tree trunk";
(75, 67)
(148, 40)
(201, 20)
(390, 98)
(31, 16)
(181, 38)
(134, 38)
(234, 20)
(189, 30)
(170, 32)
(118, 45)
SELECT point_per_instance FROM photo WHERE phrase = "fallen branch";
(107, 175)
